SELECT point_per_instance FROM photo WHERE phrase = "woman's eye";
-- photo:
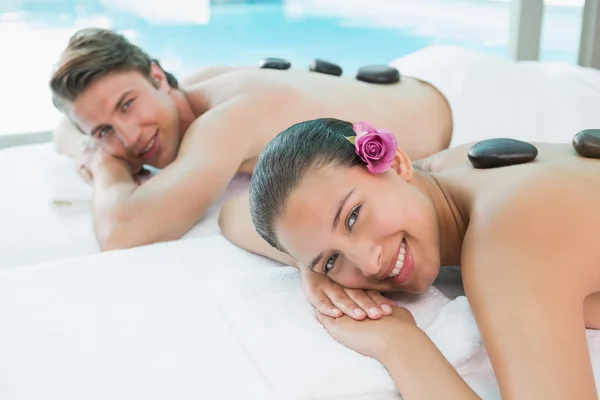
(329, 264)
(352, 217)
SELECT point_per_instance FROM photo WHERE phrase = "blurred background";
(187, 34)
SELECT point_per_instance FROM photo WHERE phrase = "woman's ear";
(402, 165)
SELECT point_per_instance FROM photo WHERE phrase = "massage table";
(197, 317)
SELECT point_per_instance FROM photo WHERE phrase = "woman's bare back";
(557, 170)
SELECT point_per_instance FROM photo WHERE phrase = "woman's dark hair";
(287, 158)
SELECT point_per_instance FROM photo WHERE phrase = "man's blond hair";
(94, 53)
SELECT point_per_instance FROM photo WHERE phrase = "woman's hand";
(371, 338)
(334, 300)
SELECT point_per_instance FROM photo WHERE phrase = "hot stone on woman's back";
(501, 152)
(587, 143)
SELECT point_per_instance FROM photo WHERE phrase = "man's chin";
(136, 168)
(164, 159)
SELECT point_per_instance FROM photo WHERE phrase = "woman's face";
(364, 230)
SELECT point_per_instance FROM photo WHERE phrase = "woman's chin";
(420, 281)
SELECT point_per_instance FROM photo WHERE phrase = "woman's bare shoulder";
(541, 220)
(529, 260)
(445, 160)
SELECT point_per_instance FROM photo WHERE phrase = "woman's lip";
(392, 265)
(407, 268)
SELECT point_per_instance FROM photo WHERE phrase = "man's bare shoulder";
(242, 124)
(262, 88)
(206, 73)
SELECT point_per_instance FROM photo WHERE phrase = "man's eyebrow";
(96, 128)
(117, 106)
(122, 99)
(336, 219)
(315, 261)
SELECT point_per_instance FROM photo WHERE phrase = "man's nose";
(130, 134)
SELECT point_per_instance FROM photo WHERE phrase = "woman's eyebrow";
(336, 219)
(315, 261)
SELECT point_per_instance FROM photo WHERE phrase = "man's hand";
(86, 152)
(66, 137)
(91, 157)
(334, 300)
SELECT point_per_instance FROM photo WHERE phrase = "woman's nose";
(366, 255)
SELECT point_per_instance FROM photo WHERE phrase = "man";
(201, 133)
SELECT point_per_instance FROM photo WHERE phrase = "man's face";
(131, 118)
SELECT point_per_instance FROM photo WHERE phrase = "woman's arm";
(421, 371)
(236, 225)
(321, 291)
(527, 269)
(414, 362)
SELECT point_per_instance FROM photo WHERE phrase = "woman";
(449, 96)
(343, 200)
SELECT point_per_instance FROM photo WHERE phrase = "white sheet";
(195, 319)
(495, 97)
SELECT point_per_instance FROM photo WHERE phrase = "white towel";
(198, 318)
(68, 189)
(299, 359)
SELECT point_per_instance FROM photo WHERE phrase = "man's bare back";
(409, 108)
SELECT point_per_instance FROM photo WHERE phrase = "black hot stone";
(274, 63)
(378, 74)
(501, 152)
(325, 67)
(587, 143)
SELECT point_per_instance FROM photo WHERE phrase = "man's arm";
(170, 203)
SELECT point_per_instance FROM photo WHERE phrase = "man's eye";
(126, 106)
(104, 131)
